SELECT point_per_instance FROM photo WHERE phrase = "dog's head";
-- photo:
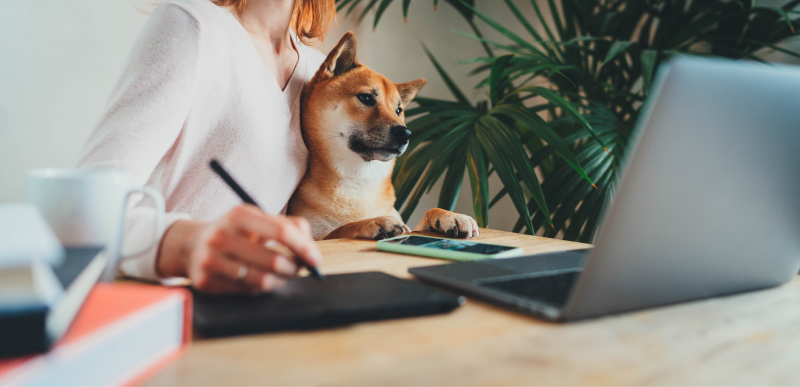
(347, 107)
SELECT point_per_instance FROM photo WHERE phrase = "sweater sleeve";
(144, 117)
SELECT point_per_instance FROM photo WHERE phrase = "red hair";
(310, 18)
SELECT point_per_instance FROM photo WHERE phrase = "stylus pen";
(217, 167)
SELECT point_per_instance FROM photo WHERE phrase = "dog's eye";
(398, 111)
(366, 99)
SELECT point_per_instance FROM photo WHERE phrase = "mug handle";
(159, 229)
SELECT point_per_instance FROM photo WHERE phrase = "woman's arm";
(145, 115)
(150, 102)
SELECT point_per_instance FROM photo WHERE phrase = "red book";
(122, 334)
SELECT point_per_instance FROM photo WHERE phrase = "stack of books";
(59, 327)
(123, 333)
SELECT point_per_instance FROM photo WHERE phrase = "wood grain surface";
(746, 339)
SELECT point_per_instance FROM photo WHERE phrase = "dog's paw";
(377, 228)
(382, 227)
(450, 223)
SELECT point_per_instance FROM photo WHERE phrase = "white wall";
(59, 60)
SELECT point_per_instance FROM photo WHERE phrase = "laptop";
(708, 204)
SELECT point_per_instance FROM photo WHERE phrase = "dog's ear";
(342, 58)
(409, 90)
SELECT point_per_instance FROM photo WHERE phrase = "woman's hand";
(215, 255)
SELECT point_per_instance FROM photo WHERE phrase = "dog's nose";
(401, 134)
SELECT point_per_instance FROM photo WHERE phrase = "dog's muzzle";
(400, 134)
(384, 148)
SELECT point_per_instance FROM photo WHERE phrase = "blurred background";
(60, 60)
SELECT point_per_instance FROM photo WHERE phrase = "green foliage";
(598, 58)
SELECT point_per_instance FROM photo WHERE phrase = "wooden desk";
(752, 338)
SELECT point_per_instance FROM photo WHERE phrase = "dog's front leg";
(450, 223)
(377, 228)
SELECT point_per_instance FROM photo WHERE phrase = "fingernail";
(269, 282)
(265, 282)
(289, 267)
(315, 255)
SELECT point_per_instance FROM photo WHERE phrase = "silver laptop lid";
(709, 202)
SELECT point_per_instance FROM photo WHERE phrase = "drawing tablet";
(306, 303)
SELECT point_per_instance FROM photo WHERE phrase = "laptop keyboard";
(550, 289)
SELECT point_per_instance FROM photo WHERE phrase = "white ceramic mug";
(88, 206)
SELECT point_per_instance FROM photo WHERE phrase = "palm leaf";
(446, 78)
(648, 67)
(381, 9)
(551, 49)
(504, 170)
(434, 160)
(343, 3)
(451, 185)
(479, 181)
(498, 78)
(559, 101)
(543, 22)
(535, 124)
(502, 139)
(502, 30)
(366, 10)
(616, 49)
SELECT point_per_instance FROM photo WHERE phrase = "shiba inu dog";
(353, 125)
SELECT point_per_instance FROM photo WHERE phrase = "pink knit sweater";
(194, 88)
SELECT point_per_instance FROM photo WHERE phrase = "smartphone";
(455, 249)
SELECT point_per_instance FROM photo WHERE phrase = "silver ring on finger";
(241, 274)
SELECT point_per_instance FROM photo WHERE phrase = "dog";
(354, 127)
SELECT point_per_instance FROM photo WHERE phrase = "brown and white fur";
(353, 125)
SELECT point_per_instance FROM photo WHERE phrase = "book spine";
(22, 331)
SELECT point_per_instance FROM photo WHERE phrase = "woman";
(215, 79)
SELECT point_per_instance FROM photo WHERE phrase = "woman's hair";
(310, 19)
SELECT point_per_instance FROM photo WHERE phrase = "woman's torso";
(238, 115)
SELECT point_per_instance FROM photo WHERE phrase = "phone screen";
(450, 244)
